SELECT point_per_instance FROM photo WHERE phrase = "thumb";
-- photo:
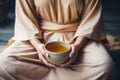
(72, 51)
(46, 53)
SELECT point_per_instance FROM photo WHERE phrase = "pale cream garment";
(76, 17)
(56, 20)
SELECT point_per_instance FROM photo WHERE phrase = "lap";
(20, 48)
(93, 59)
(20, 60)
(92, 53)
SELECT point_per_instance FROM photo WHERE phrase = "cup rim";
(57, 52)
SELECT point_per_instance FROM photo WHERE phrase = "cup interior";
(57, 47)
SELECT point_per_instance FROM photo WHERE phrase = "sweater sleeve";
(26, 22)
(91, 24)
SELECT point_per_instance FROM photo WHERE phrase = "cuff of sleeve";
(93, 37)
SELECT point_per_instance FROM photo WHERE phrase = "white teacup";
(58, 52)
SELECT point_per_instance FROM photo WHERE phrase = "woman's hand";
(42, 55)
(41, 51)
(75, 47)
(73, 55)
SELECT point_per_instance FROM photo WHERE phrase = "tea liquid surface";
(57, 48)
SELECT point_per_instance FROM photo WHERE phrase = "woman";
(38, 22)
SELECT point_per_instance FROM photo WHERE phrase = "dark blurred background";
(111, 15)
(7, 18)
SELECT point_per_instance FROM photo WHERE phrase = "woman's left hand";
(73, 55)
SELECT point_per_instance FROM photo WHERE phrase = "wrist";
(35, 43)
(39, 46)
(80, 41)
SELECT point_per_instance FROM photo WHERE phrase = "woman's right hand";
(43, 54)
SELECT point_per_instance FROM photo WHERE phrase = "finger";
(48, 64)
(43, 51)
(72, 51)
(68, 63)
(45, 61)
(42, 56)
